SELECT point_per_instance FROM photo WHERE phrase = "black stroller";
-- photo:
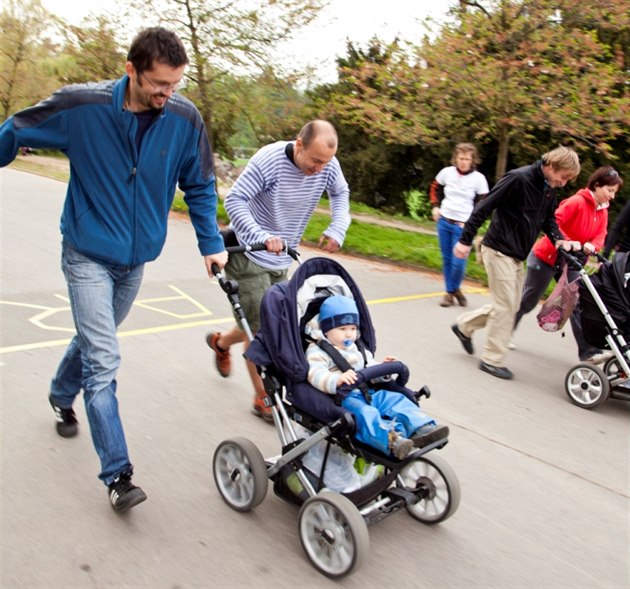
(332, 525)
(605, 319)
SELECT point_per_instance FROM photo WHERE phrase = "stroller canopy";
(287, 306)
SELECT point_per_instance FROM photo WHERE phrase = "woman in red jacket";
(582, 217)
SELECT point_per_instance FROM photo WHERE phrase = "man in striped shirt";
(271, 202)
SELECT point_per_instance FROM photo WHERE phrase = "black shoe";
(466, 341)
(428, 434)
(67, 424)
(498, 371)
(123, 494)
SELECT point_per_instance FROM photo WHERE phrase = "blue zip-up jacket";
(118, 199)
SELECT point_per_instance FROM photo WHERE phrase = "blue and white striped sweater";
(272, 196)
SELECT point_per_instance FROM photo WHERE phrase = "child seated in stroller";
(386, 420)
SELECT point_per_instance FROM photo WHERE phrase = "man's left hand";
(328, 244)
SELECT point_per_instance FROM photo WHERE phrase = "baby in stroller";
(387, 420)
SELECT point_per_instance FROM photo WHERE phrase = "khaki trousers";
(505, 280)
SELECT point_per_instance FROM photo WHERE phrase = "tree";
(501, 74)
(228, 38)
(379, 170)
(92, 52)
(24, 45)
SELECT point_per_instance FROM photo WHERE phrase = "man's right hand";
(569, 245)
(461, 251)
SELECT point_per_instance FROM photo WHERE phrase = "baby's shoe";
(429, 433)
(399, 446)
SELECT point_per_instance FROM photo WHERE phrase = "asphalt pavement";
(545, 488)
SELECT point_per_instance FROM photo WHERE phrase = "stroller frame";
(332, 526)
(588, 385)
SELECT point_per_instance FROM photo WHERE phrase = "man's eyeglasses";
(160, 87)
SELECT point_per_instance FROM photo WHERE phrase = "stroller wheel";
(614, 371)
(436, 485)
(587, 385)
(333, 534)
(240, 473)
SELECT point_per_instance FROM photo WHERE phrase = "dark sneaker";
(67, 424)
(124, 495)
(428, 434)
(466, 341)
(498, 371)
(222, 359)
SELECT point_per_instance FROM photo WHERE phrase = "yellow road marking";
(427, 295)
(37, 319)
(130, 333)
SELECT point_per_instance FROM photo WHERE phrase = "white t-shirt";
(460, 191)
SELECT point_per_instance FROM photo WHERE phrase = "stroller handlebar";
(254, 247)
(573, 262)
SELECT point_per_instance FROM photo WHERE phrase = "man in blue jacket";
(130, 142)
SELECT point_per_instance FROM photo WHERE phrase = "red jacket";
(579, 220)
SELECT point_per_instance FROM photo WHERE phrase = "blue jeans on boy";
(101, 296)
(452, 267)
(386, 410)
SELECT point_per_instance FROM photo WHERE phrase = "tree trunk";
(502, 155)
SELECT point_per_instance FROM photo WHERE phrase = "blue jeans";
(387, 409)
(452, 267)
(101, 295)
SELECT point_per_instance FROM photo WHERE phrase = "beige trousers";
(505, 280)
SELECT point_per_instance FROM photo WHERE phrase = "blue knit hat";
(336, 311)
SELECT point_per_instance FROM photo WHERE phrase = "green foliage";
(506, 76)
(223, 38)
(180, 206)
(393, 245)
(26, 30)
(515, 77)
(418, 204)
(92, 52)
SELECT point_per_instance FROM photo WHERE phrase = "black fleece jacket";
(523, 205)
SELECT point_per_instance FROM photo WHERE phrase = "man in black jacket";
(523, 202)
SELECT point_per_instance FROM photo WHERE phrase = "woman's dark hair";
(156, 45)
(604, 176)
